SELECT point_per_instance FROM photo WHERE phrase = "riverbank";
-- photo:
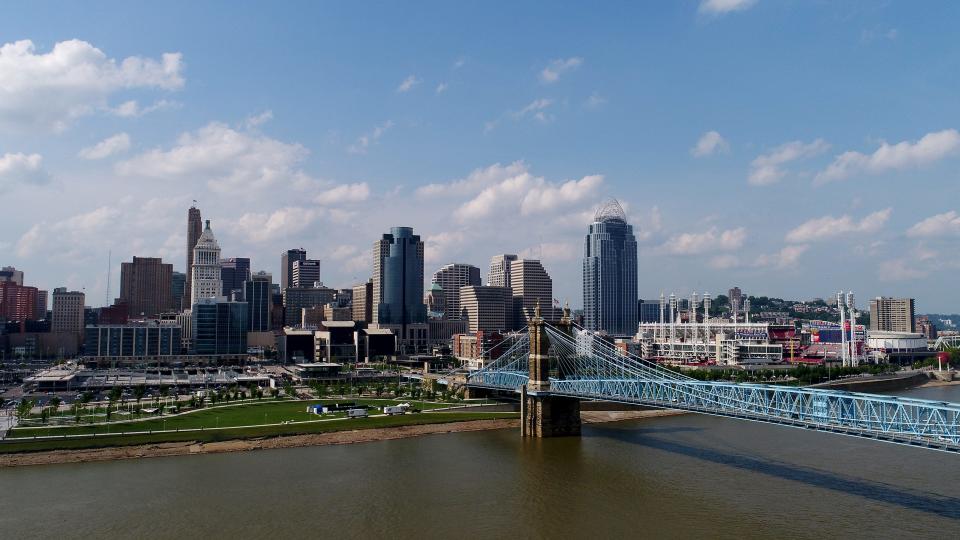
(936, 382)
(182, 448)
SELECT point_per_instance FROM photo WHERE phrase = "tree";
(288, 389)
(23, 408)
(275, 393)
(378, 389)
(138, 392)
(54, 404)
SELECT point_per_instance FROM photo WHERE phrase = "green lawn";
(247, 414)
(34, 445)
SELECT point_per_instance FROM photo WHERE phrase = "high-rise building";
(363, 302)
(68, 316)
(735, 297)
(257, 295)
(145, 286)
(531, 285)
(41, 305)
(287, 258)
(305, 273)
(452, 277)
(610, 273)
(487, 309)
(234, 272)
(205, 282)
(649, 311)
(436, 301)
(17, 303)
(926, 327)
(296, 299)
(178, 284)
(892, 314)
(194, 230)
(499, 275)
(219, 326)
(10, 274)
(398, 287)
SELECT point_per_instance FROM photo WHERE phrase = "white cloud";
(70, 237)
(930, 148)
(595, 101)
(829, 227)
(132, 109)
(724, 262)
(558, 67)
(368, 139)
(545, 196)
(279, 224)
(49, 91)
(767, 168)
(551, 252)
(22, 168)
(945, 224)
(709, 241)
(477, 180)
(787, 257)
(899, 270)
(719, 7)
(710, 143)
(442, 247)
(111, 145)
(344, 193)
(408, 84)
(441, 88)
(259, 119)
(528, 194)
(230, 159)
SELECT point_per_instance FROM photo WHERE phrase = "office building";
(145, 286)
(499, 274)
(305, 273)
(892, 315)
(194, 230)
(219, 327)
(256, 292)
(287, 259)
(205, 282)
(234, 272)
(144, 339)
(41, 305)
(296, 299)
(531, 286)
(610, 273)
(452, 277)
(487, 309)
(735, 297)
(436, 301)
(178, 288)
(68, 313)
(17, 303)
(362, 304)
(649, 311)
(9, 274)
(398, 287)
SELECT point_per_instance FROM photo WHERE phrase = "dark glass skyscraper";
(256, 292)
(219, 327)
(234, 272)
(610, 273)
(400, 277)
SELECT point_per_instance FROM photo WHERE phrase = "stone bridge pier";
(541, 413)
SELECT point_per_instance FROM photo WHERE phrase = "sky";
(792, 148)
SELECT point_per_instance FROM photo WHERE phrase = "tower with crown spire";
(205, 280)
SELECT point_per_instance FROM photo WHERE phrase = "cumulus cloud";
(931, 148)
(230, 159)
(20, 168)
(115, 144)
(132, 109)
(407, 84)
(368, 139)
(709, 241)
(259, 119)
(768, 169)
(49, 91)
(68, 238)
(344, 193)
(477, 180)
(529, 194)
(720, 7)
(710, 143)
(829, 227)
(545, 196)
(552, 252)
(558, 67)
(899, 270)
(279, 224)
(945, 224)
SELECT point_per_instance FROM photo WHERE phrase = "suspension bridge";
(556, 365)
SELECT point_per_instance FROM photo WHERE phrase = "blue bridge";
(554, 366)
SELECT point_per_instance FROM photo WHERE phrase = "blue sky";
(790, 148)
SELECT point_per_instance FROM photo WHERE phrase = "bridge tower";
(543, 414)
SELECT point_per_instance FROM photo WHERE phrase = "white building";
(721, 343)
(205, 281)
(499, 275)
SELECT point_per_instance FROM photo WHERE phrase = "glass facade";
(220, 327)
(402, 297)
(610, 273)
(257, 294)
(123, 340)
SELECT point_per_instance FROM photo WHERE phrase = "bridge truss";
(588, 368)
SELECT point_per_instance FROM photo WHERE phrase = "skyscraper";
(363, 302)
(305, 273)
(287, 259)
(219, 327)
(234, 272)
(145, 286)
(610, 273)
(487, 309)
(451, 277)
(531, 285)
(12, 275)
(194, 229)
(398, 286)
(256, 292)
(499, 275)
(178, 284)
(735, 297)
(206, 282)
(892, 314)
(67, 311)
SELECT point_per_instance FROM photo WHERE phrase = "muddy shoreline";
(50, 457)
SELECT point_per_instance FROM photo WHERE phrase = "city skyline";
(808, 188)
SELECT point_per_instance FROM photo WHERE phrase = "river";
(681, 476)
